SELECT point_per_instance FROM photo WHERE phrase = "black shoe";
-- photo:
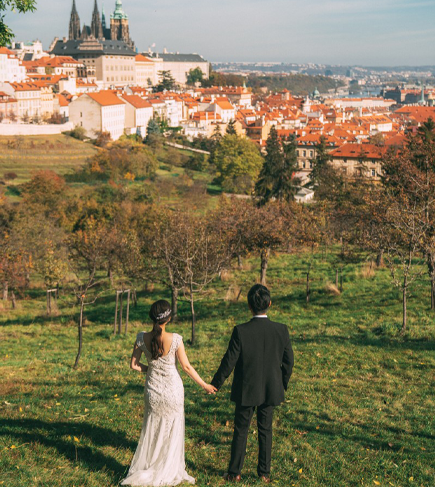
(232, 478)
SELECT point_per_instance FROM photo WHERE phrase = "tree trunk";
(121, 295)
(48, 302)
(264, 261)
(308, 287)
(5, 290)
(128, 312)
(116, 313)
(432, 293)
(192, 310)
(174, 304)
(79, 352)
(336, 278)
(341, 280)
(239, 261)
(380, 258)
(14, 303)
(404, 309)
(110, 275)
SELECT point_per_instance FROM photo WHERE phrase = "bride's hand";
(209, 389)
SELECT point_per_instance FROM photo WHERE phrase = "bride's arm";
(190, 371)
(135, 360)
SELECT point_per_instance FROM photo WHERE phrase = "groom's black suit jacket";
(261, 354)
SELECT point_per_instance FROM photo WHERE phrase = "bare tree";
(194, 253)
(88, 251)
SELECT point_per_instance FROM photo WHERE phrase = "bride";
(159, 457)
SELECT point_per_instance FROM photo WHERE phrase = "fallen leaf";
(76, 439)
(411, 479)
(300, 470)
(376, 482)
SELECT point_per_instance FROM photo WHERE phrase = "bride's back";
(165, 340)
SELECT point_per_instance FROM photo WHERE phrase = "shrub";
(10, 176)
(77, 133)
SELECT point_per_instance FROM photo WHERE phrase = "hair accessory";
(163, 315)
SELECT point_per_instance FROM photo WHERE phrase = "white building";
(99, 112)
(138, 113)
(28, 51)
(28, 96)
(180, 64)
(146, 72)
(11, 69)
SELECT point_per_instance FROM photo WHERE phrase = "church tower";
(96, 25)
(74, 23)
(119, 29)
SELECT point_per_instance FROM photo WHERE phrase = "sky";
(347, 32)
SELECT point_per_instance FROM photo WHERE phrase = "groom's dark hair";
(259, 298)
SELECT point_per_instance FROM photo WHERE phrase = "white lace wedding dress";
(159, 457)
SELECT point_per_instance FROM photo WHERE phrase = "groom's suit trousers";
(242, 420)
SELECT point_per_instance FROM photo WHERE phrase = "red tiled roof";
(356, 151)
(136, 101)
(105, 98)
(140, 58)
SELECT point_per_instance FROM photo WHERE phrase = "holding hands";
(209, 389)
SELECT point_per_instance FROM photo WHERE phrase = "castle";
(118, 30)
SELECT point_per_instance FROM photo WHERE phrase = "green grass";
(358, 412)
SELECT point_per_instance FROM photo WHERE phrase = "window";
(311, 153)
(304, 153)
(311, 164)
(304, 165)
(373, 172)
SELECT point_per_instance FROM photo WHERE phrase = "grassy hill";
(358, 412)
(24, 155)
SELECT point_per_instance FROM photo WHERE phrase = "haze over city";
(365, 32)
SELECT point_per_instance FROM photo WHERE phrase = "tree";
(123, 159)
(325, 179)
(22, 6)
(399, 229)
(410, 172)
(87, 254)
(166, 82)
(46, 190)
(103, 138)
(238, 163)
(15, 264)
(276, 179)
(195, 76)
(193, 252)
(231, 128)
(248, 228)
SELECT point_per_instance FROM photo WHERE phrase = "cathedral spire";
(96, 26)
(103, 17)
(74, 23)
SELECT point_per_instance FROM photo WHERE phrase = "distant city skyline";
(345, 32)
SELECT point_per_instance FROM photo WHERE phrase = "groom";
(262, 356)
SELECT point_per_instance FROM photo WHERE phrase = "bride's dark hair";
(160, 312)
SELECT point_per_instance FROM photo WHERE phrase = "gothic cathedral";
(117, 31)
